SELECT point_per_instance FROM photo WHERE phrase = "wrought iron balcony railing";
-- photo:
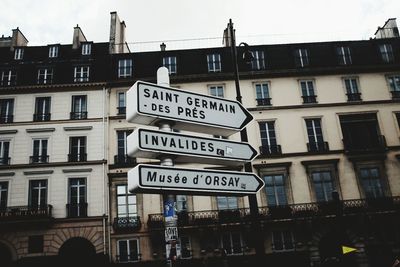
(78, 115)
(132, 223)
(77, 210)
(5, 161)
(318, 147)
(6, 118)
(271, 150)
(129, 258)
(354, 97)
(395, 95)
(124, 160)
(39, 159)
(263, 101)
(41, 117)
(77, 157)
(307, 99)
(121, 110)
(377, 145)
(25, 212)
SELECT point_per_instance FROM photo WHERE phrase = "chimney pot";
(163, 46)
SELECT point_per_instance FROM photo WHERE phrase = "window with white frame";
(3, 195)
(314, 133)
(6, 110)
(77, 203)
(86, 49)
(122, 142)
(262, 94)
(78, 107)
(128, 250)
(121, 102)
(344, 55)
(301, 57)
(307, 91)
(39, 151)
(37, 193)
(232, 243)
(4, 152)
(352, 91)
(124, 68)
(282, 240)
(214, 62)
(18, 53)
(77, 149)
(42, 109)
(53, 51)
(216, 90)
(8, 77)
(170, 64)
(323, 185)
(258, 61)
(126, 202)
(81, 74)
(275, 189)
(45, 76)
(269, 144)
(386, 52)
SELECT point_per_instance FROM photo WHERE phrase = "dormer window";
(53, 51)
(18, 53)
(86, 49)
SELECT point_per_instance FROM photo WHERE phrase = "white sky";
(256, 21)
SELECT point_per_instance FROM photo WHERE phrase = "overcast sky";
(256, 21)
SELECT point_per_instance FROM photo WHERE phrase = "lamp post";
(255, 225)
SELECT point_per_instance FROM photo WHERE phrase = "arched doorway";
(77, 251)
(5, 255)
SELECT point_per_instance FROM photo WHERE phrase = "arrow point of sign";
(346, 249)
(254, 152)
(248, 115)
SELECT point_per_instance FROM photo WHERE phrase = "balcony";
(26, 215)
(124, 161)
(135, 257)
(121, 110)
(39, 159)
(41, 117)
(263, 101)
(354, 97)
(6, 118)
(77, 157)
(318, 147)
(127, 223)
(78, 115)
(77, 210)
(395, 95)
(309, 99)
(5, 161)
(371, 146)
(270, 150)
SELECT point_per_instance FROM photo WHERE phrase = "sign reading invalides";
(190, 111)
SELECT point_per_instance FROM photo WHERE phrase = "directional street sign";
(144, 143)
(149, 103)
(144, 178)
(346, 249)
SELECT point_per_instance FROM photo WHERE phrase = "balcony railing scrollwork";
(376, 145)
(25, 212)
(131, 223)
(271, 150)
(39, 159)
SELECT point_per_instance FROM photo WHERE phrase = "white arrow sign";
(159, 179)
(148, 103)
(144, 143)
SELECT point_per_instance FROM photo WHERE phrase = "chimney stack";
(117, 35)
(78, 37)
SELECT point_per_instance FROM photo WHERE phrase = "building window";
(258, 61)
(394, 84)
(8, 78)
(77, 149)
(307, 91)
(371, 182)
(275, 189)
(352, 91)
(386, 52)
(124, 68)
(282, 240)
(37, 193)
(262, 94)
(35, 244)
(18, 53)
(121, 103)
(301, 57)
(39, 151)
(53, 51)
(86, 49)
(45, 76)
(128, 250)
(232, 243)
(323, 185)
(397, 114)
(79, 107)
(315, 137)
(4, 152)
(3, 195)
(126, 202)
(344, 56)
(214, 62)
(170, 64)
(269, 144)
(42, 109)
(217, 90)
(186, 247)
(181, 203)
(81, 74)
(77, 205)
(227, 203)
(6, 110)
(122, 158)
